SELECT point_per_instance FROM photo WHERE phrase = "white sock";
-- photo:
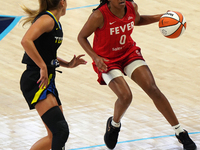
(117, 125)
(178, 129)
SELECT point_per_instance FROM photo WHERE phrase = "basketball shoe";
(184, 138)
(111, 135)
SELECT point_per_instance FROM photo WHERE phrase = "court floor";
(86, 104)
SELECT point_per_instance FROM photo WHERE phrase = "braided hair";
(102, 2)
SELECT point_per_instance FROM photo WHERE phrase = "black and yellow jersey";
(48, 43)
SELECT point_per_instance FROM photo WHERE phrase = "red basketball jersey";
(114, 40)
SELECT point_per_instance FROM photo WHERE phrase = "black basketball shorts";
(30, 88)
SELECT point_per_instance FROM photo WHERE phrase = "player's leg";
(144, 78)
(53, 117)
(45, 142)
(124, 97)
(119, 86)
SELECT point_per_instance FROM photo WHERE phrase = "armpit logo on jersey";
(138, 53)
(130, 17)
(58, 39)
(55, 63)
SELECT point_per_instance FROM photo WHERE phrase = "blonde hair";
(44, 5)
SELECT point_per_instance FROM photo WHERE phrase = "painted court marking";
(11, 26)
(17, 19)
(135, 140)
(82, 7)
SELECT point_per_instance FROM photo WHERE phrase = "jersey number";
(122, 39)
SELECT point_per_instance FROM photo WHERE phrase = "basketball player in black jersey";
(40, 43)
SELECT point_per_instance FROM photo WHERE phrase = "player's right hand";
(100, 63)
(43, 81)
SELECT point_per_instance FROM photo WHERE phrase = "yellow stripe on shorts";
(38, 93)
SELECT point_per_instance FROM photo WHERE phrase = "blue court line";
(10, 27)
(142, 139)
(7, 16)
(16, 20)
(82, 7)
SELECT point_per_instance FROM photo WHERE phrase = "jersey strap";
(50, 13)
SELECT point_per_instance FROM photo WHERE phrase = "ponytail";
(44, 5)
(31, 14)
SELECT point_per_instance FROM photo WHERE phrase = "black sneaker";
(111, 135)
(184, 138)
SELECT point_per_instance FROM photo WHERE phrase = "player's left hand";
(76, 61)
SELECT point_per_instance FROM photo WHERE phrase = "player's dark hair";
(102, 2)
(44, 5)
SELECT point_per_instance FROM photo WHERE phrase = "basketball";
(172, 24)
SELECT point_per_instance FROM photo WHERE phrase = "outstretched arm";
(76, 61)
(144, 19)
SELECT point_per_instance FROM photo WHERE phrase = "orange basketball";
(172, 24)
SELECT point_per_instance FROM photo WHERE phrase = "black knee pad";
(62, 131)
(56, 122)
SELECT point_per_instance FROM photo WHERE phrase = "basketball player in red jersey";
(114, 53)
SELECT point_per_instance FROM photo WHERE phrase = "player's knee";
(126, 99)
(152, 90)
(58, 126)
(62, 131)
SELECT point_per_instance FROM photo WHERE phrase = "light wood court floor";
(175, 64)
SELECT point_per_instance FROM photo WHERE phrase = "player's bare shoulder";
(135, 5)
(97, 18)
(45, 22)
(137, 18)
